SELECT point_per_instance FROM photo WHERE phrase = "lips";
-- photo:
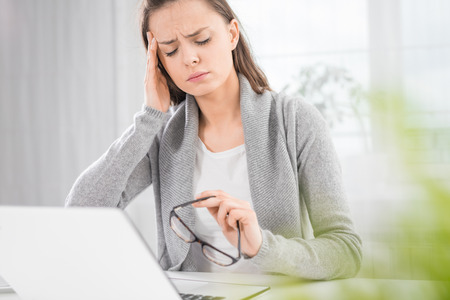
(197, 76)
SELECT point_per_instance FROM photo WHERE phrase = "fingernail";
(153, 43)
(198, 195)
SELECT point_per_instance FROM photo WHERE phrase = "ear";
(234, 33)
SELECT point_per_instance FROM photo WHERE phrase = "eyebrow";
(186, 36)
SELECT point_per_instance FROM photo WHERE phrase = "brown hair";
(242, 58)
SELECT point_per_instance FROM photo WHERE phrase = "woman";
(211, 127)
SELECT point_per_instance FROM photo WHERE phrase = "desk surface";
(283, 287)
(291, 288)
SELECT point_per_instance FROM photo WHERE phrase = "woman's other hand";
(227, 210)
(156, 90)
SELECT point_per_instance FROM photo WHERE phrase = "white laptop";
(55, 253)
(4, 286)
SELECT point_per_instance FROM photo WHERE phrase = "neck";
(222, 107)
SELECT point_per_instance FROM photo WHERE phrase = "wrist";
(253, 251)
(152, 111)
(156, 108)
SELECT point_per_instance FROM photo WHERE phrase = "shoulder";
(175, 109)
(296, 110)
(174, 119)
(175, 116)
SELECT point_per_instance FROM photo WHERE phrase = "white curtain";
(70, 81)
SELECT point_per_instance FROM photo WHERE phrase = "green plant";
(334, 92)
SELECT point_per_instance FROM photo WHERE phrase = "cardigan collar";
(263, 142)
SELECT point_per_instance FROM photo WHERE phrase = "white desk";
(283, 287)
(290, 288)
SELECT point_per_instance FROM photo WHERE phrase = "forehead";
(185, 17)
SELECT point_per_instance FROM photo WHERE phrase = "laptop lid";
(4, 286)
(77, 253)
(56, 253)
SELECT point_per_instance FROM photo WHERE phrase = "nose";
(190, 57)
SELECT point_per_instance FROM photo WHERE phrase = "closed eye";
(200, 43)
(203, 42)
(171, 53)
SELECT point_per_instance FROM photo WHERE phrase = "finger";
(207, 195)
(215, 201)
(244, 216)
(212, 193)
(154, 52)
(210, 201)
(224, 196)
(152, 61)
(149, 39)
(151, 42)
(222, 214)
(162, 78)
(148, 62)
(229, 203)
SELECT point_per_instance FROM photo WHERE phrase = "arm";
(124, 170)
(335, 252)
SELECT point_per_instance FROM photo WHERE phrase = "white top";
(226, 171)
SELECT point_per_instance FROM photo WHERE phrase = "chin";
(199, 90)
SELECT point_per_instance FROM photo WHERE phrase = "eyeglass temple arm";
(239, 238)
(193, 201)
(207, 197)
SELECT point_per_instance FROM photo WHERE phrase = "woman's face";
(194, 45)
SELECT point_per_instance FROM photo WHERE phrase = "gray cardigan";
(294, 176)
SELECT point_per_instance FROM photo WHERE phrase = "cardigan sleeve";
(124, 170)
(335, 250)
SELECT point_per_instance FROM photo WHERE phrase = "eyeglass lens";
(211, 253)
(181, 230)
(216, 256)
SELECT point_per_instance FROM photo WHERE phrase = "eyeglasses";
(209, 251)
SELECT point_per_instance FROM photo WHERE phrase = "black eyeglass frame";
(203, 243)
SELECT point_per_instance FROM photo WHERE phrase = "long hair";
(242, 58)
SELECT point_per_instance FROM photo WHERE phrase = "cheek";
(222, 56)
(214, 57)
(174, 68)
(171, 66)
